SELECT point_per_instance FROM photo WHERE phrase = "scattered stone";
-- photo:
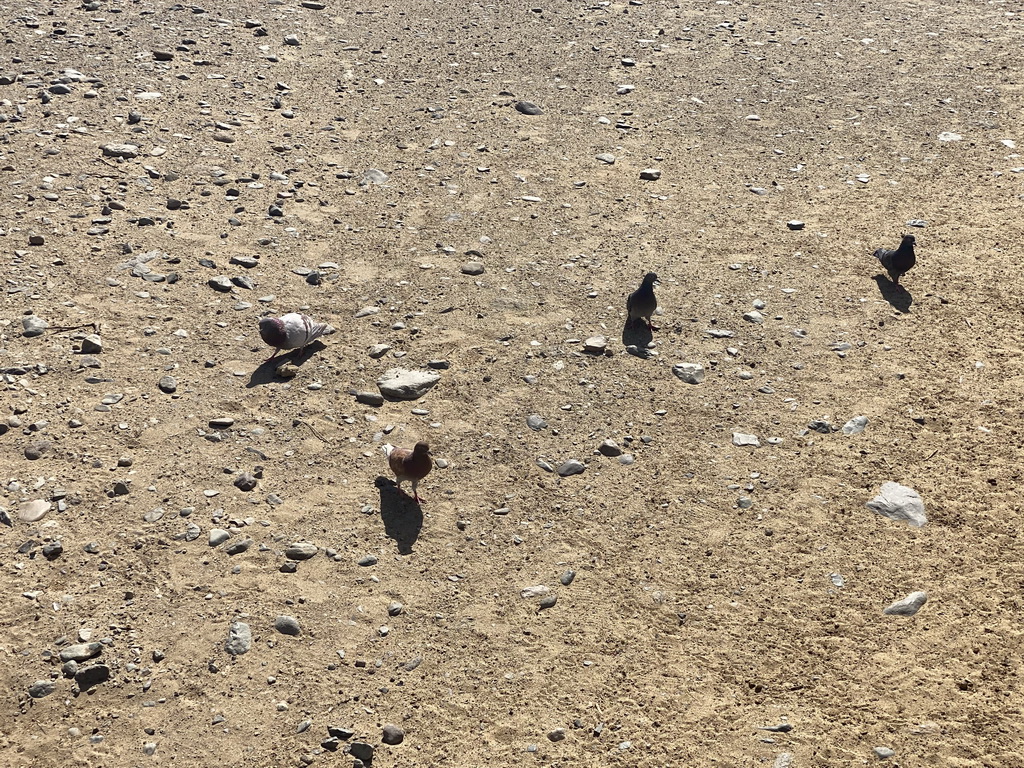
(404, 384)
(53, 550)
(528, 593)
(221, 422)
(36, 450)
(536, 422)
(168, 385)
(395, 608)
(545, 466)
(127, 151)
(883, 753)
(528, 108)
(741, 439)
(606, 157)
(337, 732)
(547, 602)
(239, 639)
(287, 625)
(41, 688)
(220, 283)
(650, 174)
(439, 365)
(87, 677)
(571, 467)
(92, 344)
(392, 734)
(609, 448)
(855, 425)
(33, 326)
(691, 373)
(917, 223)
(473, 268)
(908, 606)
(301, 550)
(367, 311)
(33, 511)
(245, 481)
(796, 225)
(753, 317)
(821, 426)
(949, 136)
(370, 398)
(556, 735)
(81, 652)
(595, 345)
(898, 502)
(567, 578)
(238, 547)
(367, 560)
(375, 176)
(361, 751)
(218, 536)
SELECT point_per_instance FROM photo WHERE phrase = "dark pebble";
(392, 735)
(92, 675)
(528, 108)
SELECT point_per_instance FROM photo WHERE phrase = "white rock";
(691, 373)
(739, 438)
(855, 425)
(536, 591)
(898, 502)
(404, 384)
(595, 344)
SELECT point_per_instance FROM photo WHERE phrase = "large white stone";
(404, 384)
(898, 502)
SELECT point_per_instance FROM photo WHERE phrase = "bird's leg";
(273, 355)
(415, 493)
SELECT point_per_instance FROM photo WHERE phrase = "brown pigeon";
(411, 465)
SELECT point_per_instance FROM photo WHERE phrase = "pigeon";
(897, 263)
(291, 331)
(642, 302)
(411, 465)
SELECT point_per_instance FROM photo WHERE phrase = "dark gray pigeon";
(291, 331)
(897, 263)
(642, 302)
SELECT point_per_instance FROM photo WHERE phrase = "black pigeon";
(642, 302)
(897, 263)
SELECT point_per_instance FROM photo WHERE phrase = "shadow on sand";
(402, 516)
(636, 334)
(265, 371)
(898, 296)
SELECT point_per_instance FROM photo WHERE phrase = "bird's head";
(909, 239)
(421, 449)
(272, 331)
(650, 279)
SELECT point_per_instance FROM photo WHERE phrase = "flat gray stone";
(370, 398)
(301, 550)
(403, 384)
(571, 467)
(392, 734)
(41, 688)
(80, 652)
(650, 174)
(87, 677)
(33, 326)
(739, 438)
(528, 108)
(754, 317)
(609, 448)
(907, 606)
(238, 547)
(218, 536)
(239, 639)
(287, 625)
(898, 502)
(691, 373)
(120, 150)
(536, 422)
(473, 268)
(595, 345)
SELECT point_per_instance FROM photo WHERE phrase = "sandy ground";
(719, 590)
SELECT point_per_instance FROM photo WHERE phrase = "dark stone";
(90, 676)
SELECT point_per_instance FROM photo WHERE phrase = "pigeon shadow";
(898, 296)
(638, 335)
(266, 371)
(401, 515)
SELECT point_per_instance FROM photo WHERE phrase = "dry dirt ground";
(694, 621)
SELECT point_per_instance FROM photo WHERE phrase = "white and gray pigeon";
(642, 302)
(291, 331)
